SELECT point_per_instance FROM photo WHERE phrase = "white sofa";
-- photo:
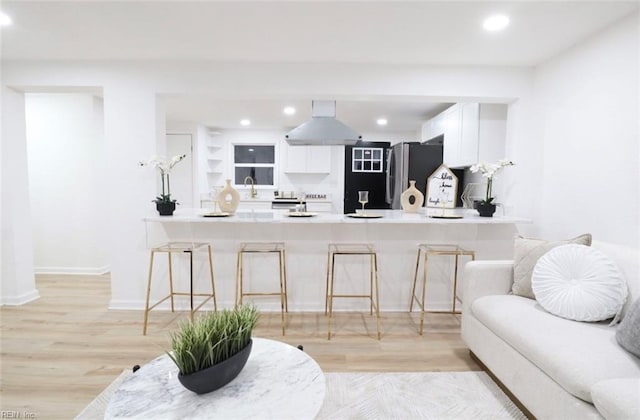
(550, 364)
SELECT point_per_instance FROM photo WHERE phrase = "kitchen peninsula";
(395, 235)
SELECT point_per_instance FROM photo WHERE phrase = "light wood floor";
(63, 349)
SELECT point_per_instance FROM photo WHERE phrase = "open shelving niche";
(215, 167)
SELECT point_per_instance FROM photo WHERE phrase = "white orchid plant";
(489, 170)
(164, 166)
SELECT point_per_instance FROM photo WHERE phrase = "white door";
(182, 174)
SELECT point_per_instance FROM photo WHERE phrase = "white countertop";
(282, 216)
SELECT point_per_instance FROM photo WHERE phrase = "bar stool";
(350, 250)
(173, 248)
(432, 250)
(262, 248)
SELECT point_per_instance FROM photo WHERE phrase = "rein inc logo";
(15, 414)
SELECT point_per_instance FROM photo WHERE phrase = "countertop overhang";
(282, 217)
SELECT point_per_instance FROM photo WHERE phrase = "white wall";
(65, 156)
(135, 124)
(586, 121)
(17, 284)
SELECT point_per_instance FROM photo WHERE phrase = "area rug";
(411, 395)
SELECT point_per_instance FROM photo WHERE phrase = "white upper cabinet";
(492, 132)
(295, 159)
(427, 130)
(472, 132)
(307, 159)
(452, 133)
(468, 145)
(461, 135)
(433, 127)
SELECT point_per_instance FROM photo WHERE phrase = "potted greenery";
(212, 350)
(486, 207)
(164, 203)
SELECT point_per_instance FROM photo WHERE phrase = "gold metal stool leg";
(326, 292)
(213, 283)
(455, 284)
(375, 263)
(330, 295)
(415, 279)
(371, 256)
(170, 280)
(191, 311)
(239, 279)
(146, 307)
(284, 276)
(424, 290)
(283, 293)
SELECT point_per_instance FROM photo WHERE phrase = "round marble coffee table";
(278, 382)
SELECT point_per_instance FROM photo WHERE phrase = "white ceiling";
(394, 32)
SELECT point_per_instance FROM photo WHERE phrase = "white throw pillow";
(579, 283)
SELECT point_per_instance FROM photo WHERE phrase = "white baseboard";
(87, 271)
(182, 304)
(21, 299)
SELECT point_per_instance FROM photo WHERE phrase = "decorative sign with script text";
(442, 189)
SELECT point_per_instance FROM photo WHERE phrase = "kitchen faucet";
(254, 193)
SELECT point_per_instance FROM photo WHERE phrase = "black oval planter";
(485, 209)
(218, 375)
(166, 209)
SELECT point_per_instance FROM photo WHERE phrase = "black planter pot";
(166, 209)
(485, 209)
(218, 375)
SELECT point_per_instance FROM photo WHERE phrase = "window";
(367, 159)
(256, 161)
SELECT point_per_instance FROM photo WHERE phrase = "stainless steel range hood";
(323, 129)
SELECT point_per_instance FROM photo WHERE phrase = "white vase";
(228, 198)
(405, 198)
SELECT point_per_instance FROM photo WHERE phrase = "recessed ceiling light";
(245, 122)
(495, 23)
(381, 121)
(289, 110)
(5, 20)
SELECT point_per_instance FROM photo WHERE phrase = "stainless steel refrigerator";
(410, 161)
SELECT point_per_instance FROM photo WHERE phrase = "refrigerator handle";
(389, 183)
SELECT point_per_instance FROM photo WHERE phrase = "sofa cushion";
(628, 332)
(576, 355)
(617, 399)
(526, 253)
(579, 283)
